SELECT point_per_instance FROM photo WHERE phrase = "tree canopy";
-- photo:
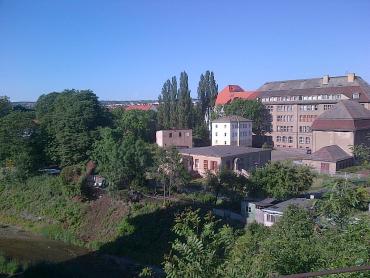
(253, 110)
(70, 120)
(281, 180)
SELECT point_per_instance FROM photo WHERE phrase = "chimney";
(351, 77)
(325, 80)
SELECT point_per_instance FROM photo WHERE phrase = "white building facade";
(232, 131)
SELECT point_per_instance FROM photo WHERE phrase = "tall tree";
(207, 94)
(174, 120)
(185, 105)
(164, 108)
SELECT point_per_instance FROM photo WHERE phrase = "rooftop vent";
(325, 80)
(351, 77)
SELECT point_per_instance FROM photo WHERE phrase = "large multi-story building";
(295, 104)
(232, 130)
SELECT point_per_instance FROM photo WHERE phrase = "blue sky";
(125, 50)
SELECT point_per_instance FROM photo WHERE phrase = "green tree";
(253, 110)
(121, 160)
(185, 104)
(200, 247)
(281, 180)
(164, 107)
(361, 153)
(70, 119)
(169, 170)
(5, 106)
(174, 120)
(207, 94)
(141, 124)
(19, 143)
(227, 183)
(342, 200)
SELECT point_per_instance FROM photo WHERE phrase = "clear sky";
(125, 50)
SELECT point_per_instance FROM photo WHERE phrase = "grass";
(10, 266)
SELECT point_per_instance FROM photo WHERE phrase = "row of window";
(308, 107)
(241, 125)
(187, 134)
(284, 118)
(313, 97)
(289, 139)
(225, 142)
(284, 139)
(307, 118)
(242, 134)
(284, 108)
(328, 106)
(284, 128)
(212, 164)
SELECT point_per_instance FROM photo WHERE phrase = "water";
(27, 247)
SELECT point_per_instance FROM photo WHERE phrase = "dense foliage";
(70, 120)
(281, 180)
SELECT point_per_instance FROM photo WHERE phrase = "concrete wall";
(176, 137)
(327, 138)
(221, 134)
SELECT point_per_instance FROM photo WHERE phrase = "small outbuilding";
(329, 159)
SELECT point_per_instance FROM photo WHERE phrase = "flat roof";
(221, 151)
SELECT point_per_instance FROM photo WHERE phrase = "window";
(205, 164)
(271, 218)
(301, 140)
(216, 141)
(170, 135)
(196, 163)
(249, 209)
(179, 134)
(284, 139)
(338, 96)
(216, 126)
(225, 142)
(304, 129)
(225, 126)
(225, 134)
(290, 139)
(187, 134)
(307, 118)
(328, 106)
(213, 165)
(216, 133)
(278, 138)
(308, 140)
(355, 95)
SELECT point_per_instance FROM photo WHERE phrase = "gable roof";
(346, 115)
(220, 151)
(232, 118)
(280, 207)
(231, 92)
(332, 153)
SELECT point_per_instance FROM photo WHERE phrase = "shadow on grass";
(145, 245)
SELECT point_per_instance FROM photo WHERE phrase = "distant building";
(141, 107)
(346, 124)
(329, 159)
(181, 138)
(232, 131)
(213, 158)
(295, 104)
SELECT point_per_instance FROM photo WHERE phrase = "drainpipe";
(238, 133)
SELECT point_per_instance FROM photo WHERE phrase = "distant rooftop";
(233, 118)
(219, 151)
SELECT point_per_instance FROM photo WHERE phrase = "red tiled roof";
(142, 107)
(231, 92)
